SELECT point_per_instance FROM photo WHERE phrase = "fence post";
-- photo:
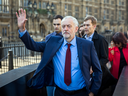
(0, 51)
(10, 58)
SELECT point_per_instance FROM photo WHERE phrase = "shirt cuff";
(22, 33)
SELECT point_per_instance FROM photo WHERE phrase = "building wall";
(111, 15)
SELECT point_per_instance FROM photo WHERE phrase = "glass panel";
(39, 5)
(77, 15)
(0, 1)
(0, 8)
(86, 9)
(69, 7)
(95, 10)
(65, 7)
(70, 13)
(5, 30)
(76, 8)
(90, 9)
(44, 5)
(25, 3)
(2, 31)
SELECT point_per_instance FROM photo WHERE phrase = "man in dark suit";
(57, 27)
(101, 46)
(65, 62)
(57, 32)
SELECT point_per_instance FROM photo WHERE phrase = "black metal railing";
(17, 55)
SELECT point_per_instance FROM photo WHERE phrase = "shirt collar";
(73, 42)
(58, 33)
(90, 37)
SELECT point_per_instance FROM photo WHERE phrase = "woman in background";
(118, 54)
(81, 31)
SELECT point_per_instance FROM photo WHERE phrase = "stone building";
(111, 15)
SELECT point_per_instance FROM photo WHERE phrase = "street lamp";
(32, 10)
(50, 9)
(9, 33)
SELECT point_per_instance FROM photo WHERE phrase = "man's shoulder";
(51, 34)
(100, 37)
(84, 40)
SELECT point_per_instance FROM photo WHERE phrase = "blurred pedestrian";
(101, 46)
(81, 31)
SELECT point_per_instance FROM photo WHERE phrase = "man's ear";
(94, 26)
(76, 28)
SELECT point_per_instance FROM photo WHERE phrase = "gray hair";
(73, 19)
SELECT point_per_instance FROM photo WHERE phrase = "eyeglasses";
(56, 24)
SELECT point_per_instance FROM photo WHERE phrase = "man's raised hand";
(21, 19)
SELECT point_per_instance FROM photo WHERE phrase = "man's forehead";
(57, 20)
(67, 21)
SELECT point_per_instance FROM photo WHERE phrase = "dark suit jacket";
(52, 34)
(101, 46)
(44, 74)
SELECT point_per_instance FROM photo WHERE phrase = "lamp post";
(50, 9)
(32, 10)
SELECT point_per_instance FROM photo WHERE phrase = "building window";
(39, 5)
(0, 5)
(112, 14)
(44, 5)
(20, 3)
(3, 32)
(88, 11)
(68, 9)
(106, 14)
(119, 15)
(76, 11)
(123, 15)
(25, 3)
(120, 2)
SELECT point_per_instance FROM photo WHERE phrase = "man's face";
(89, 27)
(57, 25)
(68, 29)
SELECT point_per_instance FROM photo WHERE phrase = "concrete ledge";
(15, 74)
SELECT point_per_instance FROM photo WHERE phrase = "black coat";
(101, 46)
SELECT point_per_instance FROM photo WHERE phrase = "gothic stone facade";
(111, 15)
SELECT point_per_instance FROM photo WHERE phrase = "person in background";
(118, 53)
(57, 32)
(101, 46)
(81, 31)
(65, 62)
(57, 27)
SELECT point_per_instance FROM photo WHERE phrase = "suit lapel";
(79, 48)
(54, 49)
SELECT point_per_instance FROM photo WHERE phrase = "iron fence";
(16, 55)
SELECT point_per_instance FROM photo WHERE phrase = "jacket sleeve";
(31, 44)
(103, 52)
(97, 72)
(110, 56)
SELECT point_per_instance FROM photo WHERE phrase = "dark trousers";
(61, 92)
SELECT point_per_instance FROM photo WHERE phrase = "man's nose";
(65, 28)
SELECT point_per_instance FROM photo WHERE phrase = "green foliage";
(42, 11)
